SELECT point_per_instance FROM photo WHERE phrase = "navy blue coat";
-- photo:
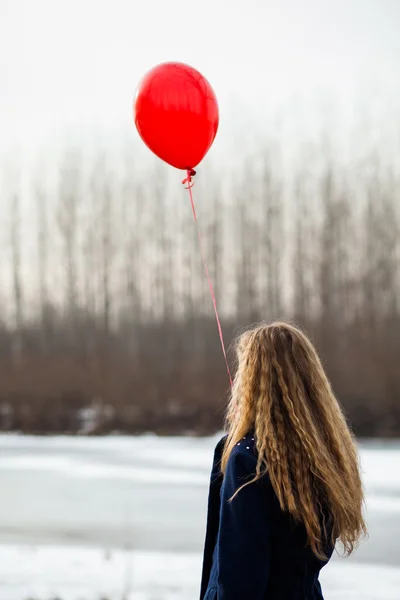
(253, 550)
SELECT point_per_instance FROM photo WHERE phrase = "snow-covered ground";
(123, 518)
(47, 573)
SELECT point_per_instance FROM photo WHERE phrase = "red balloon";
(176, 114)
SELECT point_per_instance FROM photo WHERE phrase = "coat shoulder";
(221, 444)
(243, 458)
(219, 449)
(244, 451)
(246, 447)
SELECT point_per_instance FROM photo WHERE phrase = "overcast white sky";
(70, 67)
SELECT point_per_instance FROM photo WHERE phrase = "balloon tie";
(190, 174)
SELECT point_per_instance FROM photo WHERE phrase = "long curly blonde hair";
(303, 442)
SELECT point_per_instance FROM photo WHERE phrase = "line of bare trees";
(106, 320)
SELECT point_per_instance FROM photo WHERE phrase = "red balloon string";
(190, 183)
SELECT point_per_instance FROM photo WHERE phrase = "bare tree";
(69, 200)
(43, 261)
(246, 254)
(16, 246)
(273, 234)
(133, 198)
(301, 255)
(107, 253)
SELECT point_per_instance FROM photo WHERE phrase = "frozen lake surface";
(83, 518)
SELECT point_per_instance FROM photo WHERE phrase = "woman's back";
(285, 483)
(254, 550)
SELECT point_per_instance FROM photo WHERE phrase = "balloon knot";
(188, 179)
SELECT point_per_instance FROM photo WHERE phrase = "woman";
(285, 484)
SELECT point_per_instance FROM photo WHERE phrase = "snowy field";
(123, 518)
(76, 574)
